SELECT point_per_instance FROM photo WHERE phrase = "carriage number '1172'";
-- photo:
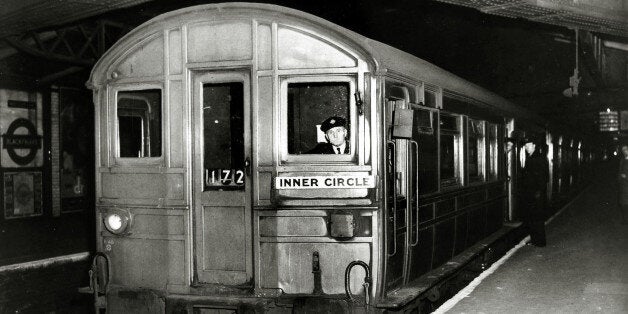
(223, 177)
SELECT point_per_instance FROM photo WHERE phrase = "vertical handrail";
(393, 158)
(416, 192)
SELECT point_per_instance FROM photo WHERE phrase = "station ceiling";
(603, 16)
(20, 16)
(524, 50)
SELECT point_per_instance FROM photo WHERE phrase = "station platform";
(46, 286)
(583, 268)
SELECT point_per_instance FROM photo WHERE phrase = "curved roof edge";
(383, 56)
(269, 10)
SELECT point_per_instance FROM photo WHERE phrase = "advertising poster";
(22, 194)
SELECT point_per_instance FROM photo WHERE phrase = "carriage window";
(476, 150)
(318, 118)
(492, 150)
(223, 136)
(430, 98)
(400, 91)
(427, 140)
(139, 123)
(449, 150)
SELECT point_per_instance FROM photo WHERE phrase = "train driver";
(336, 135)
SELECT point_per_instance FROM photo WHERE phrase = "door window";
(476, 146)
(223, 136)
(427, 145)
(449, 150)
(493, 151)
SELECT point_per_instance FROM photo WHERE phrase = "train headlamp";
(117, 222)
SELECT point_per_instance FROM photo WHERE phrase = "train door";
(423, 179)
(397, 200)
(221, 185)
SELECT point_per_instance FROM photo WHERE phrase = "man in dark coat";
(335, 129)
(534, 191)
(623, 184)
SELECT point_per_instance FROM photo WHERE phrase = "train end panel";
(208, 189)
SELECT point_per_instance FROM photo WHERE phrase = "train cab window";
(493, 156)
(319, 118)
(223, 136)
(139, 123)
(450, 148)
(476, 149)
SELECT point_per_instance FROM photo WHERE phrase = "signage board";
(30, 142)
(324, 182)
(21, 129)
(609, 121)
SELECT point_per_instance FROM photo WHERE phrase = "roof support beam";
(19, 45)
(9, 51)
(79, 45)
(55, 76)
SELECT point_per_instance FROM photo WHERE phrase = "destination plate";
(324, 182)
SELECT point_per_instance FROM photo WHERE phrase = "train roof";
(383, 57)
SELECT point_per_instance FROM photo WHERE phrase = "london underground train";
(255, 158)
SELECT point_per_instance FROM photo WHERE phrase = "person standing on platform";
(623, 184)
(534, 189)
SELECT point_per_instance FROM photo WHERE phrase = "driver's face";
(336, 136)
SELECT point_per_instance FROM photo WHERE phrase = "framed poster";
(22, 194)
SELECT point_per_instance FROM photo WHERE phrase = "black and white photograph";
(300, 156)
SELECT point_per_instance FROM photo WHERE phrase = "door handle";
(247, 166)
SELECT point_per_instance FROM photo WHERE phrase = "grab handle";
(415, 190)
(392, 158)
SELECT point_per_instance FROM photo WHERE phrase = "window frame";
(201, 120)
(493, 173)
(114, 147)
(457, 179)
(481, 151)
(354, 139)
(433, 113)
(438, 94)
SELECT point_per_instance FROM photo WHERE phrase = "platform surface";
(583, 269)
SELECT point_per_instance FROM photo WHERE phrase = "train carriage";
(211, 195)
